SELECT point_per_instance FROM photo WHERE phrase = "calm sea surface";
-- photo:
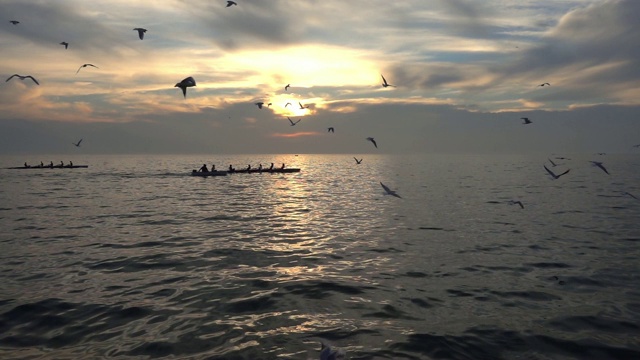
(132, 258)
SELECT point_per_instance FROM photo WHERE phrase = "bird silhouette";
(599, 164)
(230, 3)
(292, 122)
(553, 174)
(260, 103)
(373, 141)
(545, 84)
(331, 129)
(385, 83)
(357, 161)
(515, 202)
(303, 107)
(78, 143)
(185, 83)
(85, 65)
(526, 120)
(66, 44)
(21, 77)
(141, 32)
(286, 88)
(389, 191)
(14, 22)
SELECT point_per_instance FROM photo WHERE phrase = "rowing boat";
(49, 167)
(265, 171)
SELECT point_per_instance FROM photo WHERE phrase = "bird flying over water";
(599, 164)
(630, 194)
(229, 3)
(66, 44)
(14, 22)
(373, 141)
(78, 143)
(357, 161)
(545, 84)
(286, 88)
(331, 129)
(85, 65)
(554, 175)
(389, 191)
(185, 83)
(21, 77)
(385, 83)
(526, 120)
(516, 202)
(141, 32)
(292, 122)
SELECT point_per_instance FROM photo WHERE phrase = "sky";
(465, 73)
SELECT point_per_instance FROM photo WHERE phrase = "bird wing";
(77, 71)
(32, 78)
(603, 168)
(564, 172)
(290, 120)
(550, 172)
(374, 143)
(287, 104)
(184, 90)
(383, 79)
(79, 142)
(11, 77)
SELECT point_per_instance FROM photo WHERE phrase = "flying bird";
(21, 77)
(385, 83)
(185, 83)
(14, 22)
(229, 3)
(545, 84)
(331, 130)
(303, 107)
(141, 32)
(85, 65)
(389, 191)
(292, 122)
(286, 88)
(373, 141)
(552, 163)
(66, 44)
(260, 103)
(269, 104)
(357, 161)
(599, 164)
(630, 194)
(526, 120)
(78, 143)
(554, 175)
(287, 104)
(514, 202)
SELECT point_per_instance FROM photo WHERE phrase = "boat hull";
(208, 173)
(264, 171)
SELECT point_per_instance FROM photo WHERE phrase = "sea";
(133, 258)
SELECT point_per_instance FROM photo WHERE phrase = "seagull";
(23, 77)
(552, 163)
(14, 22)
(260, 104)
(357, 161)
(526, 120)
(287, 104)
(554, 175)
(303, 107)
(385, 83)
(389, 191)
(545, 84)
(599, 164)
(78, 143)
(373, 141)
(514, 202)
(85, 65)
(269, 104)
(630, 194)
(185, 83)
(287, 87)
(229, 3)
(141, 32)
(66, 44)
(331, 129)
(292, 122)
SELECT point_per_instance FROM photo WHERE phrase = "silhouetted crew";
(204, 168)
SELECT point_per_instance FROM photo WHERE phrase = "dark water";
(132, 259)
